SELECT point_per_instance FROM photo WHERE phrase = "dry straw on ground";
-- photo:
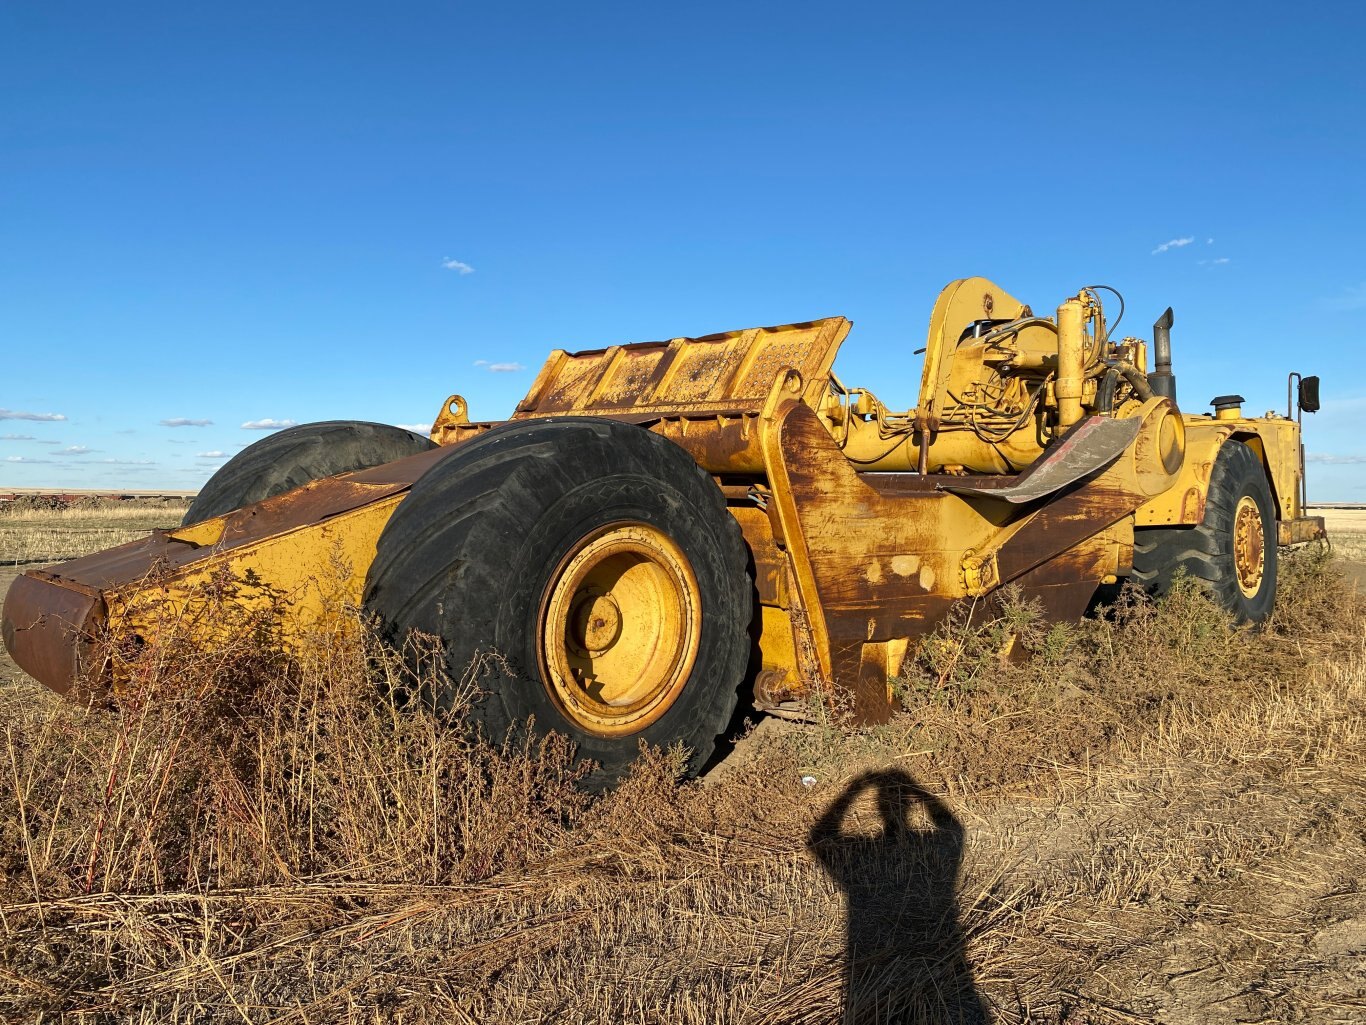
(1347, 527)
(1149, 818)
(37, 530)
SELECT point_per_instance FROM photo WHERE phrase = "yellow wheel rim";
(1249, 546)
(620, 622)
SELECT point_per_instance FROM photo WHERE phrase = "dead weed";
(1146, 817)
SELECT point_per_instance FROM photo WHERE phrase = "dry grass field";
(1152, 818)
(1347, 528)
(32, 534)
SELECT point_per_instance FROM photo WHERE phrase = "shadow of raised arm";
(829, 827)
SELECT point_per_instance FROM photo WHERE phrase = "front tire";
(600, 563)
(1232, 552)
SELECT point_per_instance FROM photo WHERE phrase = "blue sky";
(254, 213)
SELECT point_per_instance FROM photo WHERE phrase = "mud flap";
(1093, 444)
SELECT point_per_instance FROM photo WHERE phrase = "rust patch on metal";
(855, 529)
(730, 372)
(48, 628)
(720, 444)
(1298, 531)
(1193, 505)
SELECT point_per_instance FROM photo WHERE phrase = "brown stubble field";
(1151, 819)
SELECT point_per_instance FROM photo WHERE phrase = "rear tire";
(600, 563)
(291, 458)
(1232, 552)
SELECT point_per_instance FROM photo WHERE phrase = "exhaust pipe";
(1161, 378)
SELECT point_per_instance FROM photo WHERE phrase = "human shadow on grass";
(904, 958)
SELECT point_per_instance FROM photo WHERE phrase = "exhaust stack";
(1161, 378)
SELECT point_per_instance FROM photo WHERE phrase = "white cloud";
(127, 462)
(25, 459)
(1217, 261)
(268, 424)
(18, 414)
(1175, 243)
(215, 454)
(185, 421)
(17, 437)
(75, 450)
(1327, 457)
(460, 268)
(1209, 241)
(416, 428)
(505, 368)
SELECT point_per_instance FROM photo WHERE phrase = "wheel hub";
(620, 622)
(594, 624)
(1249, 546)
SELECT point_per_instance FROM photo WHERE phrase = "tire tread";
(1204, 551)
(475, 501)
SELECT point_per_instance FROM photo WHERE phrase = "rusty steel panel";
(49, 626)
(720, 444)
(1298, 531)
(722, 373)
(701, 371)
(870, 565)
(1053, 549)
(881, 559)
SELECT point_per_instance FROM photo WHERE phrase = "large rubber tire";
(297, 455)
(1209, 552)
(478, 551)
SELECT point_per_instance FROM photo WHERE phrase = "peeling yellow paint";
(905, 565)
